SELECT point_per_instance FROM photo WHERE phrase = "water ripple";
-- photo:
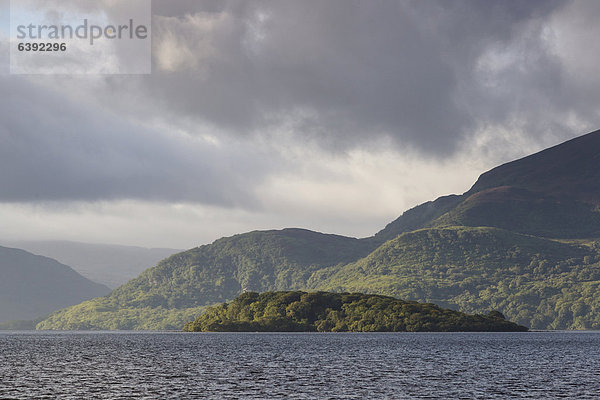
(549, 365)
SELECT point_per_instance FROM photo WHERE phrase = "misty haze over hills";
(110, 265)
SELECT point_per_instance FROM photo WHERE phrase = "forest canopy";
(298, 311)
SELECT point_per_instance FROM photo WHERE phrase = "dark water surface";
(536, 365)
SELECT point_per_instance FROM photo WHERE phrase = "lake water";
(536, 365)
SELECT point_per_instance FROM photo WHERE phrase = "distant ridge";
(32, 286)
(110, 265)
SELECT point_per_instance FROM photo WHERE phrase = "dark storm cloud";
(344, 71)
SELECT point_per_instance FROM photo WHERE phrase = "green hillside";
(182, 284)
(524, 240)
(340, 312)
(537, 282)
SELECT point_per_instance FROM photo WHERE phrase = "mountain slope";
(418, 217)
(568, 170)
(32, 286)
(524, 211)
(257, 261)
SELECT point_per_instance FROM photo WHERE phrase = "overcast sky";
(332, 115)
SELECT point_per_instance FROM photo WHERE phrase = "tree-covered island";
(298, 311)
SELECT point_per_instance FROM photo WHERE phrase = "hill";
(523, 240)
(541, 283)
(340, 312)
(33, 286)
(110, 265)
(184, 283)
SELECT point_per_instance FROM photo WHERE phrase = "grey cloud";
(529, 88)
(343, 73)
(53, 149)
(350, 71)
